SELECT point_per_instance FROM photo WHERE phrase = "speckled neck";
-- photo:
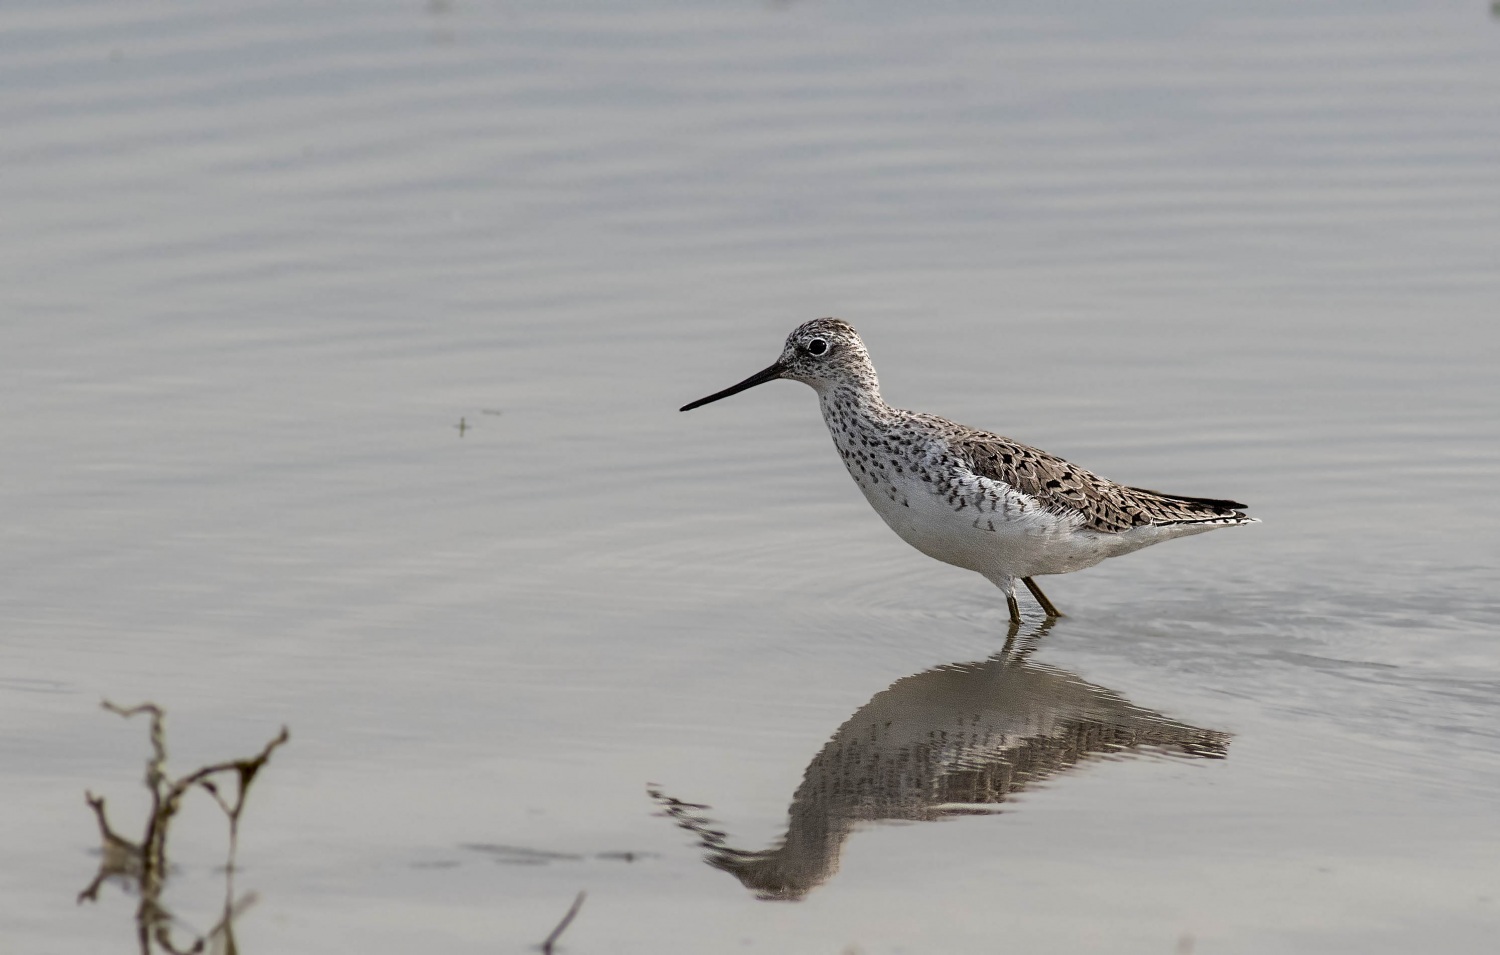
(854, 395)
(858, 407)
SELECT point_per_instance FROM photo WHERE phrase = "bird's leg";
(1041, 598)
(1008, 585)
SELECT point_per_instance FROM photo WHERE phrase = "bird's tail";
(1181, 509)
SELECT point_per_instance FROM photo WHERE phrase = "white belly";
(1014, 539)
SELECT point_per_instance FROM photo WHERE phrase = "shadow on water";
(955, 740)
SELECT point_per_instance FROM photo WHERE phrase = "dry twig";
(144, 864)
(563, 925)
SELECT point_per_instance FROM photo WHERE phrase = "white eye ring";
(817, 347)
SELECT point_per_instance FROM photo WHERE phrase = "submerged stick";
(563, 925)
(144, 865)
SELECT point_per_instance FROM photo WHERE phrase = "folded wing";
(1065, 488)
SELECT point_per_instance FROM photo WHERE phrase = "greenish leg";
(1041, 598)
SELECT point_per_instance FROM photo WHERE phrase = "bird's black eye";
(817, 346)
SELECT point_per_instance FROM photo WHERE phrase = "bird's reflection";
(954, 740)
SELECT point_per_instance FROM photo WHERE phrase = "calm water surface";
(262, 260)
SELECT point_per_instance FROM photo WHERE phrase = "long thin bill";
(759, 378)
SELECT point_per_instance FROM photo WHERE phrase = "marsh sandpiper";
(972, 498)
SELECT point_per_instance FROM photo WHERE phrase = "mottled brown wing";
(1067, 488)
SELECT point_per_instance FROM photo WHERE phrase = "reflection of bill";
(953, 740)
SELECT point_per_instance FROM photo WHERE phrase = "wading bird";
(972, 498)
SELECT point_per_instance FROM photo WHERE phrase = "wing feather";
(1065, 488)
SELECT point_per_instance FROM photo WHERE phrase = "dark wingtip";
(1215, 503)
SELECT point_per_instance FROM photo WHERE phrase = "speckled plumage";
(969, 497)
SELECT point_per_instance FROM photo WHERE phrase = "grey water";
(340, 352)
